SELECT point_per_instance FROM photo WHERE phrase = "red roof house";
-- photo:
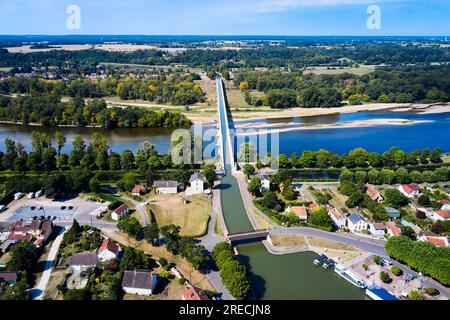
(193, 293)
(138, 190)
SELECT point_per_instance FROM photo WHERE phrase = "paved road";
(37, 293)
(140, 208)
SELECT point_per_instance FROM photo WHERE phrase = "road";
(140, 208)
(37, 293)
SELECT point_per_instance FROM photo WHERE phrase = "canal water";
(287, 277)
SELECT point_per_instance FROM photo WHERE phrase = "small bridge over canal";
(256, 235)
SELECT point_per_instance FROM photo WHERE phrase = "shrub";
(365, 266)
(414, 295)
(377, 260)
(431, 291)
(162, 261)
(384, 276)
(396, 271)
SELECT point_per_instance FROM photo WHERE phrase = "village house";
(79, 262)
(138, 190)
(437, 241)
(8, 277)
(166, 187)
(338, 218)
(392, 229)
(119, 212)
(410, 190)
(109, 250)
(139, 282)
(356, 223)
(265, 181)
(193, 293)
(36, 231)
(373, 193)
(392, 213)
(445, 204)
(377, 229)
(197, 181)
(300, 211)
(442, 215)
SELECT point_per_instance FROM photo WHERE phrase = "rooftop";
(138, 279)
(165, 184)
(197, 176)
(82, 259)
(300, 212)
(193, 293)
(355, 218)
(121, 209)
(108, 245)
(445, 214)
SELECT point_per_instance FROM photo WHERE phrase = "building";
(81, 261)
(377, 229)
(139, 282)
(437, 241)
(119, 212)
(193, 293)
(313, 206)
(265, 181)
(337, 217)
(392, 229)
(36, 231)
(138, 190)
(410, 190)
(442, 215)
(109, 250)
(355, 223)
(392, 213)
(445, 204)
(166, 187)
(8, 277)
(300, 212)
(373, 192)
(197, 181)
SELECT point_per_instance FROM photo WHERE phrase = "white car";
(38, 193)
(18, 195)
(2, 208)
(30, 195)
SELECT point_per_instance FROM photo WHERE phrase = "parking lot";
(59, 213)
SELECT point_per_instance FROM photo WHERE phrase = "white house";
(138, 190)
(437, 241)
(373, 192)
(377, 229)
(197, 181)
(120, 212)
(392, 229)
(166, 187)
(355, 223)
(410, 190)
(265, 182)
(337, 217)
(139, 282)
(81, 261)
(442, 215)
(108, 251)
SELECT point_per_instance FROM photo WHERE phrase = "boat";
(349, 276)
(320, 259)
(328, 263)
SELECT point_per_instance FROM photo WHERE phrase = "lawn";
(192, 217)
(288, 240)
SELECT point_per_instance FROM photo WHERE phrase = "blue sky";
(226, 17)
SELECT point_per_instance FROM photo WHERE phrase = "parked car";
(18, 195)
(385, 262)
(2, 208)
(30, 195)
(38, 193)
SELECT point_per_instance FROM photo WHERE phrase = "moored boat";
(349, 276)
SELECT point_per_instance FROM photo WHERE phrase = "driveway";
(37, 293)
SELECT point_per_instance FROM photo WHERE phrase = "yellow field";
(192, 217)
(323, 70)
(288, 240)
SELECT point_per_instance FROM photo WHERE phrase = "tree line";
(385, 85)
(48, 110)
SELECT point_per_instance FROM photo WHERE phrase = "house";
(300, 212)
(337, 217)
(437, 241)
(373, 192)
(392, 229)
(193, 293)
(445, 204)
(81, 261)
(109, 250)
(410, 190)
(166, 187)
(265, 181)
(377, 229)
(355, 223)
(138, 190)
(197, 181)
(119, 212)
(8, 277)
(139, 282)
(392, 213)
(442, 215)
(36, 231)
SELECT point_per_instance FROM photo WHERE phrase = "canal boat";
(320, 259)
(328, 263)
(349, 276)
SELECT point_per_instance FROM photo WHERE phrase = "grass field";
(192, 217)
(323, 70)
(288, 240)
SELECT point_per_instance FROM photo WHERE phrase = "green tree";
(210, 175)
(23, 256)
(171, 234)
(249, 170)
(254, 186)
(151, 233)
